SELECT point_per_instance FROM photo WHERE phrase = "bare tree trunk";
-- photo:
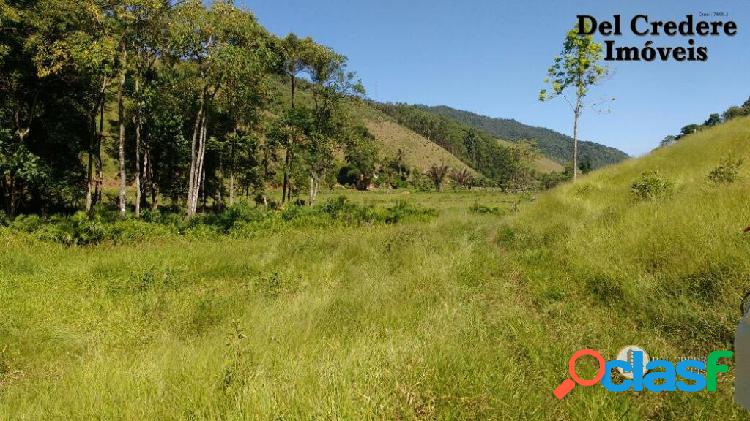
(285, 184)
(194, 149)
(154, 198)
(312, 191)
(13, 198)
(90, 170)
(231, 189)
(287, 158)
(99, 173)
(231, 171)
(201, 157)
(138, 191)
(219, 199)
(198, 177)
(94, 148)
(121, 121)
(146, 175)
(576, 114)
(148, 171)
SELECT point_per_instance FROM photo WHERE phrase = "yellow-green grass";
(418, 152)
(352, 322)
(465, 315)
(545, 165)
(607, 270)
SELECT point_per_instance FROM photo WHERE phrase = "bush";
(727, 172)
(26, 223)
(481, 209)
(239, 220)
(651, 185)
(404, 210)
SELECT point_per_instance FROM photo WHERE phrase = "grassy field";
(472, 313)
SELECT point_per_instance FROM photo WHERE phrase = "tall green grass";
(464, 314)
(612, 268)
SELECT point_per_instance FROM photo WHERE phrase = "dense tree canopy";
(182, 95)
(509, 167)
(136, 104)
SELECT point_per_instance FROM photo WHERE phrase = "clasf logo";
(653, 376)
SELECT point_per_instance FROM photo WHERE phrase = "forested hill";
(552, 144)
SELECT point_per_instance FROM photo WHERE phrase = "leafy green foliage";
(238, 220)
(651, 185)
(713, 120)
(550, 143)
(483, 209)
(499, 163)
(727, 172)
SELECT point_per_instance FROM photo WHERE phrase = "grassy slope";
(418, 151)
(553, 144)
(464, 316)
(668, 275)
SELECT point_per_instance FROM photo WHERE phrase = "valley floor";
(444, 318)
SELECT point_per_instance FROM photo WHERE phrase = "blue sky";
(490, 57)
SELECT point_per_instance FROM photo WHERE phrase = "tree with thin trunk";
(122, 197)
(437, 174)
(296, 57)
(214, 41)
(574, 72)
(331, 84)
(147, 40)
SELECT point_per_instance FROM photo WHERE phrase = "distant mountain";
(552, 144)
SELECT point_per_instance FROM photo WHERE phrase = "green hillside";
(495, 158)
(551, 143)
(453, 316)
(419, 152)
(603, 269)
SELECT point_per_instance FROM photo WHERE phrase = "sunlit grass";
(462, 315)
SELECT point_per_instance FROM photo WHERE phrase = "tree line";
(714, 119)
(194, 101)
(509, 167)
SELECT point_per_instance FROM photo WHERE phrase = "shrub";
(27, 223)
(477, 208)
(727, 172)
(405, 210)
(651, 185)
(240, 212)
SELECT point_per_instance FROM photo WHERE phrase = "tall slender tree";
(572, 75)
(296, 56)
(214, 41)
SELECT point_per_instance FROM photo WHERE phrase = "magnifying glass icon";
(568, 384)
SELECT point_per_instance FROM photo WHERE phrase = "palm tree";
(437, 174)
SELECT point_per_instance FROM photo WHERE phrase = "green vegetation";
(713, 120)
(196, 105)
(552, 144)
(651, 185)
(727, 172)
(509, 166)
(450, 315)
(666, 274)
(187, 235)
(414, 149)
(573, 73)
(239, 220)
